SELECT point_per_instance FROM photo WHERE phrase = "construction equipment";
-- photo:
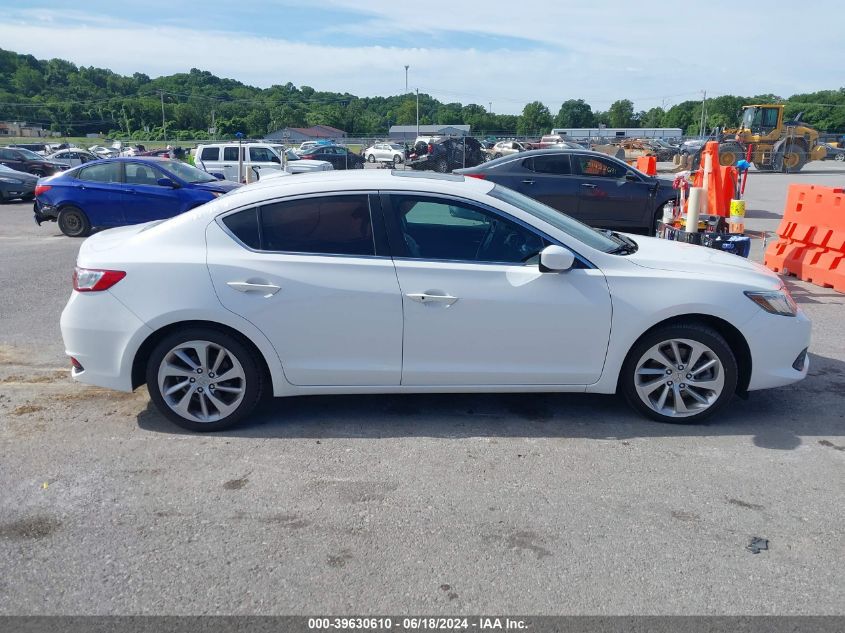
(778, 145)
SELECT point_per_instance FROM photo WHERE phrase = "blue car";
(119, 191)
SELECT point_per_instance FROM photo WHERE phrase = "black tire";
(358, 165)
(38, 172)
(691, 331)
(28, 197)
(497, 155)
(397, 160)
(791, 159)
(734, 150)
(254, 377)
(73, 222)
(441, 166)
(371, 158)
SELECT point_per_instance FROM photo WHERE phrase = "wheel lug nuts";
(193, 380)
(680, 367)
(199, 371)
(682, 386)
(668, 372)
(199, 389)
(689, 376)
(211, 374)
(669, 383)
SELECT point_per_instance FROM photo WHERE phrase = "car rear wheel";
(441, 166)
(679, 374)
(397, 159)
(371, 158)
(203, 379)
(73, 222)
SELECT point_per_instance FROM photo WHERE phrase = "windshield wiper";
(626, 244)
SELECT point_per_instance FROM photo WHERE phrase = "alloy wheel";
(679, 378)
(201, 381)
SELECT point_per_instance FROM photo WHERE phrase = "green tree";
(575, 113)
(535, 119)
(621, 113)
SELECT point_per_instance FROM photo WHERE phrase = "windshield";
(748, 118)
(28, 154)
(561, 221)
(186, 172)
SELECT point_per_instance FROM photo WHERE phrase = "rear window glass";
(230, 153)
(244, 226)
(210, 153)
(103, 172)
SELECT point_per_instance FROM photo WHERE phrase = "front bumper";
(103, 336)
(775, 343)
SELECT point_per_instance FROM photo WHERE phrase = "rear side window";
(557, 164)
(210, 153)
(230, 153)
(103, 172)
(244, 226)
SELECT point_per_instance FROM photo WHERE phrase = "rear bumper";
(103, 336)
(44, 212)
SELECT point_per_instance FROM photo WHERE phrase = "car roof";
(343, 180)
(542, 152)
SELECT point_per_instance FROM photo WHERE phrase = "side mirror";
(218, 175)
(556, 259)
(631, 177)
(166, 182)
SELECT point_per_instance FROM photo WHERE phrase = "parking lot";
(541, 504)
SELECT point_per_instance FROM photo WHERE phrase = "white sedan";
(385, 153)
(404, 282)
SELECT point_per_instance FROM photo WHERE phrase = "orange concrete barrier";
(647, 165)
(811, 237)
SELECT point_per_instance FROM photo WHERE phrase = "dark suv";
(446, 154)
(24, 160)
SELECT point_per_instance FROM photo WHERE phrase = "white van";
(222, 158)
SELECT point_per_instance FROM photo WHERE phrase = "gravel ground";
(531, 504)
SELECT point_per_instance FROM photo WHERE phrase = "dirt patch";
(29, 528)
(26, 409)
(54, 376)
(830, 444)
(236, 484)
(745, 504)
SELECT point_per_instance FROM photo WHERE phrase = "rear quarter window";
(244, 226)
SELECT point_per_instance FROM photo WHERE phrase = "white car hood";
(680, 257)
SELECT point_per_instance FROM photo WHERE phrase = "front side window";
(211, 154)
(261, 155)
(330, 225)
(588, 165)
(138, 174)
(104, 172)
(770, 117)
(434, 228)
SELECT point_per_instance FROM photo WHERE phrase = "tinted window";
(244, 226)
(557, 164)
(212, 153)
(8, 154)
(438, 229)
(334, 225)
(770, 117)
(261, 155)
(104, 172)
(137, 174)
(588, 165)
(230, 153)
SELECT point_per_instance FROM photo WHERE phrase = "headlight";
(13, 181)
(775, 302)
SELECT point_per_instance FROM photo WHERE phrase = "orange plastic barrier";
(721, 186)
(811, 237)
(647, 165)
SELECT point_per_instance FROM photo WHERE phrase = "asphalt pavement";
(529, 504)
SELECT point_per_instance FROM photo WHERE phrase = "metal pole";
(406, 78)
(240, 159)
(418, 112)
(163, 122)
(703, 102)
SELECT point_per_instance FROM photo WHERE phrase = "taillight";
(39, 189)
(480, 176)
(92, 280)
(430, 148)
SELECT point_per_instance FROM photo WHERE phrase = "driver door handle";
(588, 186)
(247, 286)
(422, 297)
(527, 182)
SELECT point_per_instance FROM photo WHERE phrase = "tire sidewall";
(85, 229)
(700, 333)
(254, 377)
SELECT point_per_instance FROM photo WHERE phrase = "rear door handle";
(248, 286)
(527, 182)
(588, 186)
(423, 297)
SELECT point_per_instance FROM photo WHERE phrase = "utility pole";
(418, 112)
(406, 78)
(703, 116)
(163, 122)
(490, 107)
(213, 127)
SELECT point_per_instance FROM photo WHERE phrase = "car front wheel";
(203, 379)
(679, 373)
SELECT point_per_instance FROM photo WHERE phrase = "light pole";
(418, 112)
(406, 78)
